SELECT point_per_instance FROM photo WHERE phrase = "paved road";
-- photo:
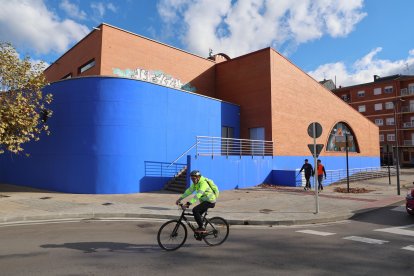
(376, 243)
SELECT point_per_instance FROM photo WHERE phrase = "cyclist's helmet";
(195, 173)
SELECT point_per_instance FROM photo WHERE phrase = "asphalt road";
(376, 243)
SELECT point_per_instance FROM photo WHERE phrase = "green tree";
(23, 107)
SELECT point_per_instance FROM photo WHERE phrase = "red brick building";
(389, 103)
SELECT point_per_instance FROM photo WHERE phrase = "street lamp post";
(397, 155)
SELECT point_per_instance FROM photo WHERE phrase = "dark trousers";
(320, 178)
(199, 210)
(307, 177)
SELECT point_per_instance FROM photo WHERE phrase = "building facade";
(389, 103)
(125, 106)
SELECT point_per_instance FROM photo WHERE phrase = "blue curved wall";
(107, 132)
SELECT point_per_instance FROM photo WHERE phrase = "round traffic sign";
(314, 130)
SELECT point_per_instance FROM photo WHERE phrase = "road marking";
(365, 240)
(399, 209)
(319, 233)
(398, 230)
(410, 247)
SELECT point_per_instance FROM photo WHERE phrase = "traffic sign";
(319, 148)
(314, 131)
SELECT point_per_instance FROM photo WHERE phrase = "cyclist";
(204, 193)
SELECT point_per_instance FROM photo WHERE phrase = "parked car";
(409, 205)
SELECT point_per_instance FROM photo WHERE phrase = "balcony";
(407, 109)
(408, 142)
(408, 124)
(407, 91)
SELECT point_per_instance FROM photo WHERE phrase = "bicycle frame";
(184, 218)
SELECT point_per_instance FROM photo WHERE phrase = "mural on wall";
(337, 142)
(154, 76)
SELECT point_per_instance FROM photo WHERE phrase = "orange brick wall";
(86, 49)
(246, 81)
(298, 100)
(124, 50)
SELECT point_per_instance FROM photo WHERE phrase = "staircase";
(178, 183)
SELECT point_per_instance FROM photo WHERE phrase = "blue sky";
(350, 40)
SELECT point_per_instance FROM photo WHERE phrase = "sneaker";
(200, 230)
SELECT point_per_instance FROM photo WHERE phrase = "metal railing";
(408, 143)
(358, 174)
(218, 146)
(163, 169)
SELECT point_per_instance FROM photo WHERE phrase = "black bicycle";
(173, 234)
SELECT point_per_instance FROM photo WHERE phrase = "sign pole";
(347, 166)
(315, 160)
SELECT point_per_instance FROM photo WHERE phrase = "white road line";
(312, 232)
(399, 209)
(365, 240)
(399, 230)
(410, 247)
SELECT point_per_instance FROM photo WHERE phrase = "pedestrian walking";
(321, 172)
(308, 173)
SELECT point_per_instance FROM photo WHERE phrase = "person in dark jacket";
(308, 173)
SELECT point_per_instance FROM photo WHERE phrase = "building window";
(86, 66)
(381, 137)
(411, 88)
(378, 106)
(345, 98)
(389, 105)
(257, 147)
(379, 122)
(389, 121)
(361, 93)
(377, 91)
(337, 142)
(390, 137)
(388, 89)
(68, 76)
(361, 108)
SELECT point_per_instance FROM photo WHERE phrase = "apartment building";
(389, 103)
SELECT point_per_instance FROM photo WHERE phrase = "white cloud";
(363, 70)
(72, 10)
(100, 8)
(28, 24)
(239, 27)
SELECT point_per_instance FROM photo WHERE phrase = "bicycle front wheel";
(217, 231)
(172, 235)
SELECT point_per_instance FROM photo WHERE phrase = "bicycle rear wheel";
(217, 231)
(172, 235)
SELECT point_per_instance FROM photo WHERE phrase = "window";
(390, 137)
(68, 76)
(227, 147)
(388, 89)
(337, 142)
(381, 137)
(389, 121)
(377, 91)
(379, 122)
(361, 93)
(345, 98)
(257, 147)
(389, 105)
(361, 108)
(378, 106)
(411, 88)
(86, 66)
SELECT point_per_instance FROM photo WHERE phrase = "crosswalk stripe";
(398, 230)
(312, 232)
(410, 247)
(365, 240)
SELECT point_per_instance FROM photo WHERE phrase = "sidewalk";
(253, 206)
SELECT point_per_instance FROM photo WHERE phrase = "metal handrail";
(219, 146)
(356, 174)
(183, 154)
